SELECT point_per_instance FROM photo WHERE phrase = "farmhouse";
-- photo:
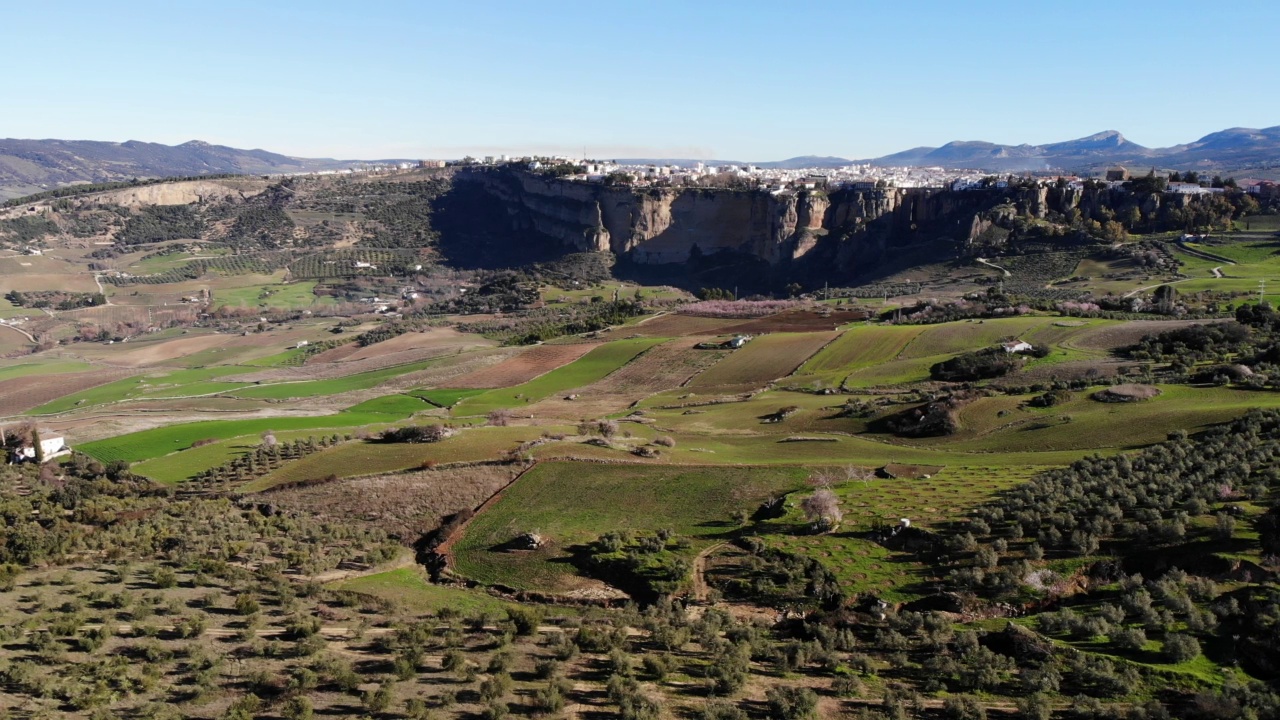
(52, 447)
(1017, 346)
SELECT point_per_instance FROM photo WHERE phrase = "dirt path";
(993, 265)
(25, 334)
(405, 560)
(1217, 272)
(1131, 293)
(1204, 255)
(702, 591)
(97, 279)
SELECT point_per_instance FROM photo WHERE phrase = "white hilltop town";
(855, 176)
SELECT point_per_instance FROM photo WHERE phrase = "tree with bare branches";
(822, 508)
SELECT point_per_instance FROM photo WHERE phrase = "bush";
(963, 707)
(983, 364)
(1180, 648)
(415, 434)
(720, 710)
(791, 703)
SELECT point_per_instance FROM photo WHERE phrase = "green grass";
(445, 397)
(1093, 424)
(205, 381)
(761, 361)
(1259, 223)
(52, 367)
(585, 370)
(859, 347)
(569, 506)
(181, 466)
(408, 588)
(370, 458)
(333, 386)
(8, 309)
(956, 337)
(178, 383)
(148, 444)
(286, 295)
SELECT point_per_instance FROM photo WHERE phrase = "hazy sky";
(732, 80)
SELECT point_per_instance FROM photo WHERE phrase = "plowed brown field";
(523, 367)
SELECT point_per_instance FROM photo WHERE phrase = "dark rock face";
(656, 226)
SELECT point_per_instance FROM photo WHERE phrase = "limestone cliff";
(810, 233)
(668, 225)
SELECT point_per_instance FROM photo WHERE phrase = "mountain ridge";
(1226, 150)
(31, 165)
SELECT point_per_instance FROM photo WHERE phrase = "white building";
(53, 447)
(1185, 188)
(1018, 346)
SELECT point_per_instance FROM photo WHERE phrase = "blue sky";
(732, 80)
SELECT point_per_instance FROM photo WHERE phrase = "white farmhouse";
(1018, 346)
(53, 447)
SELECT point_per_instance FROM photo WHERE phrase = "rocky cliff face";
(668, 225)
(807, 233)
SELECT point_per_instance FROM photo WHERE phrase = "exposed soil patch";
(681, 325)
(1118, 336)
(23, 393)
(910, 472)
(338, 354)
(801, 321)
(524, 367)
(406, 505)
(160, 352)
(1126, 393)
(433, 339)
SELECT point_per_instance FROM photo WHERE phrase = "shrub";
(415, 434)
(1180, 648)
(791, 703)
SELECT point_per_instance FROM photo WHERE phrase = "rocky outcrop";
(807, 233)
(669, 225)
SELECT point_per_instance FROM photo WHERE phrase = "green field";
(179, 466)
(408, 589)
(148, 444)
(177, 383)
(569, 507)
(52, 367)
(371, 458)
(761, 361)
(1083, 423)
(316, 388)
(585, 370)
(444, 397)
(863, 566)
(859, 347)
(299, 294)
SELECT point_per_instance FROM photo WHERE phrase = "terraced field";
(761, 361)
(860, 347)
(524, 367)
(957, 337)
(135, 447)
(370, 458)
(589, 368)
(569, 507)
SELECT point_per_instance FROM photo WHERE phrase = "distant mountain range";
(29, 166)
(1234, 150)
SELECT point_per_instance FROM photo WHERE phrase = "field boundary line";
(444, 550)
